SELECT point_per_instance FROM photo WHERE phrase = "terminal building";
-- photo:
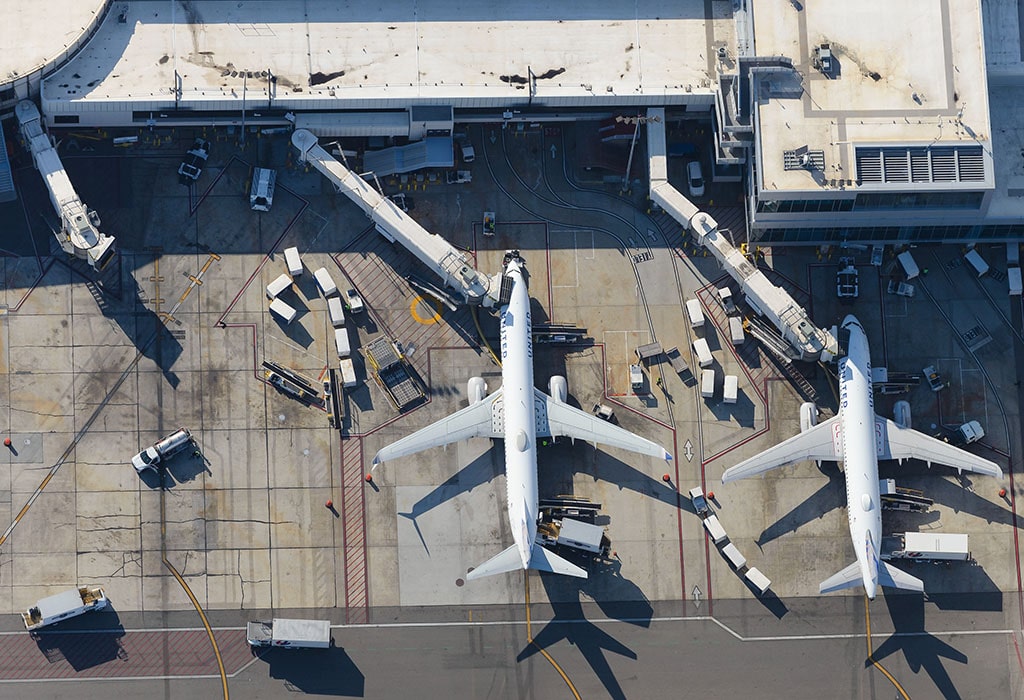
(867, 122)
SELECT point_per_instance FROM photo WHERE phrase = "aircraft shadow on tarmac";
(316, 671)
(83, 642)
(570, 623)
(920, 649)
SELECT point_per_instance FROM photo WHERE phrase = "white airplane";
(859, 438)
(520, 413)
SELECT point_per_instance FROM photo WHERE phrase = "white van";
(283, 310)
(908, 264)
(703, 352)
(325, 282)
(707, 383)
(336, 310)
(695, 313)
(278, 285)
(736, 330)
(341, 342)
(730, 390)
(293, 261)
(976, 261)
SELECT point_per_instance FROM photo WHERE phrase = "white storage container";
(715, 529)
(758, 580)
(909, 264)
(348, 372)
(1014, 279)
(336, 310)
(278, 285)
(341, 342)
(293, 261)
(325, 282)
(734, 556)
(707, 383)
(730, 390)
(695, 313)
(703, 352)
(977, 262)
(736, 330)
(285, 312)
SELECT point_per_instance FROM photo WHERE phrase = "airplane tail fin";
(847, 578)
(546, 560)
(895, 578)
(540, 559)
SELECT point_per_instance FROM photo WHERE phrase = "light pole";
(637, 121)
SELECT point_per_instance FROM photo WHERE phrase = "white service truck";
(63, 606)
(282, 633)
(161, 450)
(932, 546)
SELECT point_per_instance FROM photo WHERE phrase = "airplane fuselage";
(860, 457)
(520, 422)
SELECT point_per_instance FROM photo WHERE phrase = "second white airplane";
(519, 413)
(859, 438)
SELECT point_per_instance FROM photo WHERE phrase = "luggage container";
(908, 264)
(730, 389)
(758, 580)
(325, 282)
(715, 529)
(736, 330)
(695, 313)
(707, 383)
(336, 310)
(293, 261)
(977, 262)
(1013, 254)
(283, 311)
(341, 342)
(278, 285)
(348, 372)
(734, 556)
(1014, 278)
(703, 352)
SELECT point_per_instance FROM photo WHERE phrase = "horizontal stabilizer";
(546, 560)
(847, 578)
(508, 560)
(892, 577)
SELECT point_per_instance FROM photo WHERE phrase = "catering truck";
(161, 450)
(63, 606)
(929, 546)
(281, 633)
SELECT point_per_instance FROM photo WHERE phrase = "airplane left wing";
(894, 442)
(822, 442)
(475, 420)
(561, 419)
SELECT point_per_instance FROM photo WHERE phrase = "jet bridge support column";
(451, 264)
(79, 235)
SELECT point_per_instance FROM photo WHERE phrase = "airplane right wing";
(475, 420)
(562, 419)
(822, 442)
(894, 442)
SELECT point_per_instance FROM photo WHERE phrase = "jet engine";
(808, 416)
(476, 387)
(901, 413)
(558, 388)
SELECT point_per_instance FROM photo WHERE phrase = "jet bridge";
(79, 235)
(451, 264)
(806, 341)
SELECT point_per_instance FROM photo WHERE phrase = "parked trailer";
(703, 352)
(908, 264)
(341, 342)
(736, 330)
(336, 310)
(730, 389)
(293, 261)
(715, 529)
(1014, 278)
(707, 383)
(285, 312)
(348, 372)
(63, 606)
(325, 282)
(734, 556)
(676, 360)
(758, 580)
(279, 284)
(695, 313)
(282, 633)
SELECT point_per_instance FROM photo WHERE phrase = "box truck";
(63, 606)
(282, 633)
